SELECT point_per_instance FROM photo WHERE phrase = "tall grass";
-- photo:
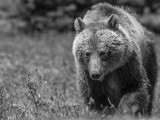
(37, 78)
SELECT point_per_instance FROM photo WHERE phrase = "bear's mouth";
(96, 77)
(101, 77)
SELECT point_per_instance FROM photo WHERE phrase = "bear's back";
(101, 12)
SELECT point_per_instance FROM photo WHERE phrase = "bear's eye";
(102, 53)
(87, 54)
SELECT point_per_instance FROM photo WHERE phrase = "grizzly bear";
(115, 60)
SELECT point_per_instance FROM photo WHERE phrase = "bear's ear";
(79, 24)
(113, 21)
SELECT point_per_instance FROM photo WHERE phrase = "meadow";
(37, 79)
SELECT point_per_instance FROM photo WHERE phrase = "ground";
(37, 79)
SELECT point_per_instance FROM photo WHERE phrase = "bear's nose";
(95, 76)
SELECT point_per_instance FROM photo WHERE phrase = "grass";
(37, 79)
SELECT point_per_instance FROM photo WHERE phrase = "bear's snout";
(95, 67)
(95, 76)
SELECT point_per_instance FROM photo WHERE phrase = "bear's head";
(100, 47)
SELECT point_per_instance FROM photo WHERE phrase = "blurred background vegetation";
(59, 15)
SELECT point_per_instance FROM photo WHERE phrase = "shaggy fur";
(111, 43)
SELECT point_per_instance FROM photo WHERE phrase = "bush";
(42, 15)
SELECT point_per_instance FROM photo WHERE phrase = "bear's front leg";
(137, 100)
(134, 103)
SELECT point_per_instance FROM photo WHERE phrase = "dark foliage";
(41, 15)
